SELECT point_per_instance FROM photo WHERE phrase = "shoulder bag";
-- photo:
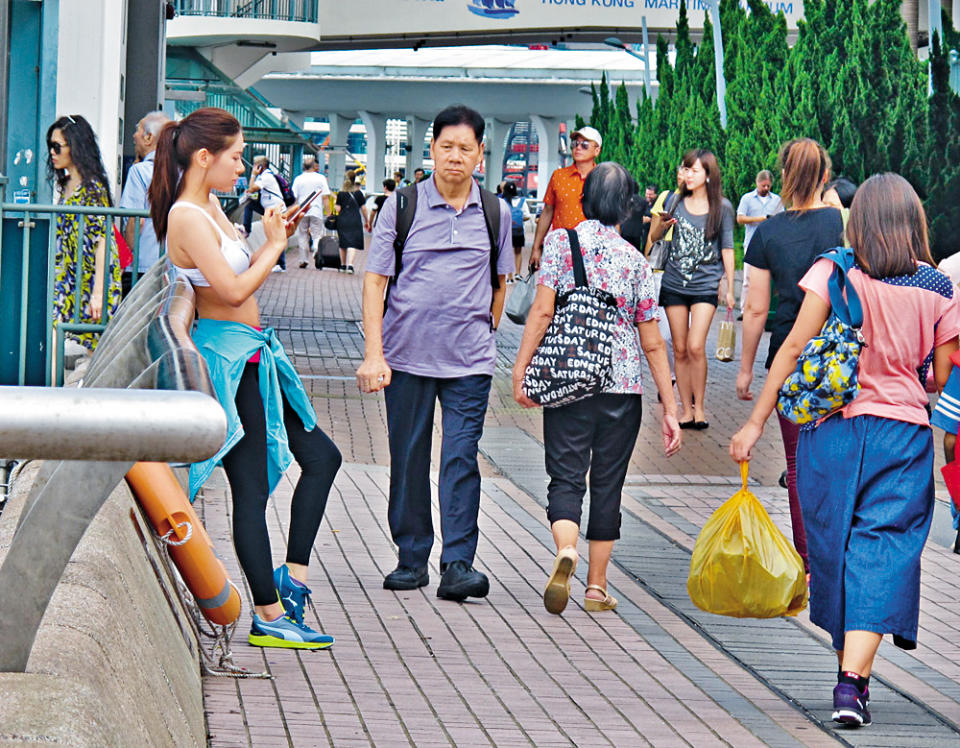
(826, 375)
(575, 358)
(660, 249)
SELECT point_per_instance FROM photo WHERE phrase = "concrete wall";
(113, 665)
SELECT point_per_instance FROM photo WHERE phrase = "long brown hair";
(209, 128)
(805, 164)
(888, 227)
(714, 187)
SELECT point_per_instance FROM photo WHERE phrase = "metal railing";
(98, 431)
(28, 218)
(306, 11)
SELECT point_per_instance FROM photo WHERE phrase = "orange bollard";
(159, 493)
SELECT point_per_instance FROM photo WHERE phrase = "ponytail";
(209, 128)
(805, 165)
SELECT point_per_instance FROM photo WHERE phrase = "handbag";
(727, 338)
(521, 299)
(124, 255)
(660, 249)
(826, 375)
(330, 222)
(575, 358)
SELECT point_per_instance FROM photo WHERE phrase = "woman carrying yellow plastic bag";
(742, 564)
(865, 472)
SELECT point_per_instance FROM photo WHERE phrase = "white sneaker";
(276, 269)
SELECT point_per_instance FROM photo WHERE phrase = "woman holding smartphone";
(701, 254)
(269, 415)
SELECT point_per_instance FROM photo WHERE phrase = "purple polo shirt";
(438, 321)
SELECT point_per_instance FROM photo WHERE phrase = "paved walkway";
(409, 669)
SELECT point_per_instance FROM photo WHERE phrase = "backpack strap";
(848, 309)
(490, 204)
(407, 209)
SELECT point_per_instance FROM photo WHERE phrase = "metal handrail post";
(110, 429)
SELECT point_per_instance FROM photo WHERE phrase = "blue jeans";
(866, 489)
(411, 401)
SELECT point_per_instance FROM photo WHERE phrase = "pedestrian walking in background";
(756, 207)
(701, 254)
(310, 180)
(562, 208)
(269, 415)
(783, 249)
(351, 216)
(134, 195)
(661, 228)
(263, 193)
(865, 472)
(635, 227)
(519, 217)
(598, 433)
(389, 187)
(76, 169)
(436, 342)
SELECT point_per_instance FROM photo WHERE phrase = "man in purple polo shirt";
(436, 341)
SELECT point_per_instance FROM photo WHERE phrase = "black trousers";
(597, 434)
(246, 468)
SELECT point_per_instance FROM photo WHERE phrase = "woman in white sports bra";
(267, 428)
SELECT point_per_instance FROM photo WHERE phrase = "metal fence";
(30, 336)
(306, 11)
(165, 411)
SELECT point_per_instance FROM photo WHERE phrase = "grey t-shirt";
(694, 266)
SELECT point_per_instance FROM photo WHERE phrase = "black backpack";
(407, 209)
(286, 192)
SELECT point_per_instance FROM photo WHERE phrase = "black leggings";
(246, 468)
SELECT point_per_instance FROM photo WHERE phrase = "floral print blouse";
(615, 266)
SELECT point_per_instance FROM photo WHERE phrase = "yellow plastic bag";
(742, 564)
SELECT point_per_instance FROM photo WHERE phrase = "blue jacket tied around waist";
(227, 346)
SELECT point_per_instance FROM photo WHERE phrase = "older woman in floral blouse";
(597, 434)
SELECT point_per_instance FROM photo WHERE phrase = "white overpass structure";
(505, 84)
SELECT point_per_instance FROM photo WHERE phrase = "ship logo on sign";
(493, 8)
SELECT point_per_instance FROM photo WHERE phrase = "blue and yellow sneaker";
(293, 594)
(286, 633)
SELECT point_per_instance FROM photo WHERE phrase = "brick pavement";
(409, 669)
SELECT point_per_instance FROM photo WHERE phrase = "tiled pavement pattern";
(409, 669)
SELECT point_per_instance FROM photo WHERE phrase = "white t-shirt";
(270, 193)
(306, 183)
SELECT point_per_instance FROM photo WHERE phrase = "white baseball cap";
(588, 133)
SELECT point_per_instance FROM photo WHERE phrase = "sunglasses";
(582, 143)
(53, 145)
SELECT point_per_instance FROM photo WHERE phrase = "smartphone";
(304, 206)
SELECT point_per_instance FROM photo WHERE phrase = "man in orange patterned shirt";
(562, 203)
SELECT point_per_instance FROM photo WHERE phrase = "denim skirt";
(866, 491)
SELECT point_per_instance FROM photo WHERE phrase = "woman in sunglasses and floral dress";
(75, 167)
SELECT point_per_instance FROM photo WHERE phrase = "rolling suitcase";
(328, 252)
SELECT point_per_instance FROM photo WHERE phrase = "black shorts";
(518, 239)
(672, 298)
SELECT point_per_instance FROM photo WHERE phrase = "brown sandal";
(557, 592)
(595, 606)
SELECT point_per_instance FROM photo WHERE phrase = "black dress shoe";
(460, 581)
(406, 578)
